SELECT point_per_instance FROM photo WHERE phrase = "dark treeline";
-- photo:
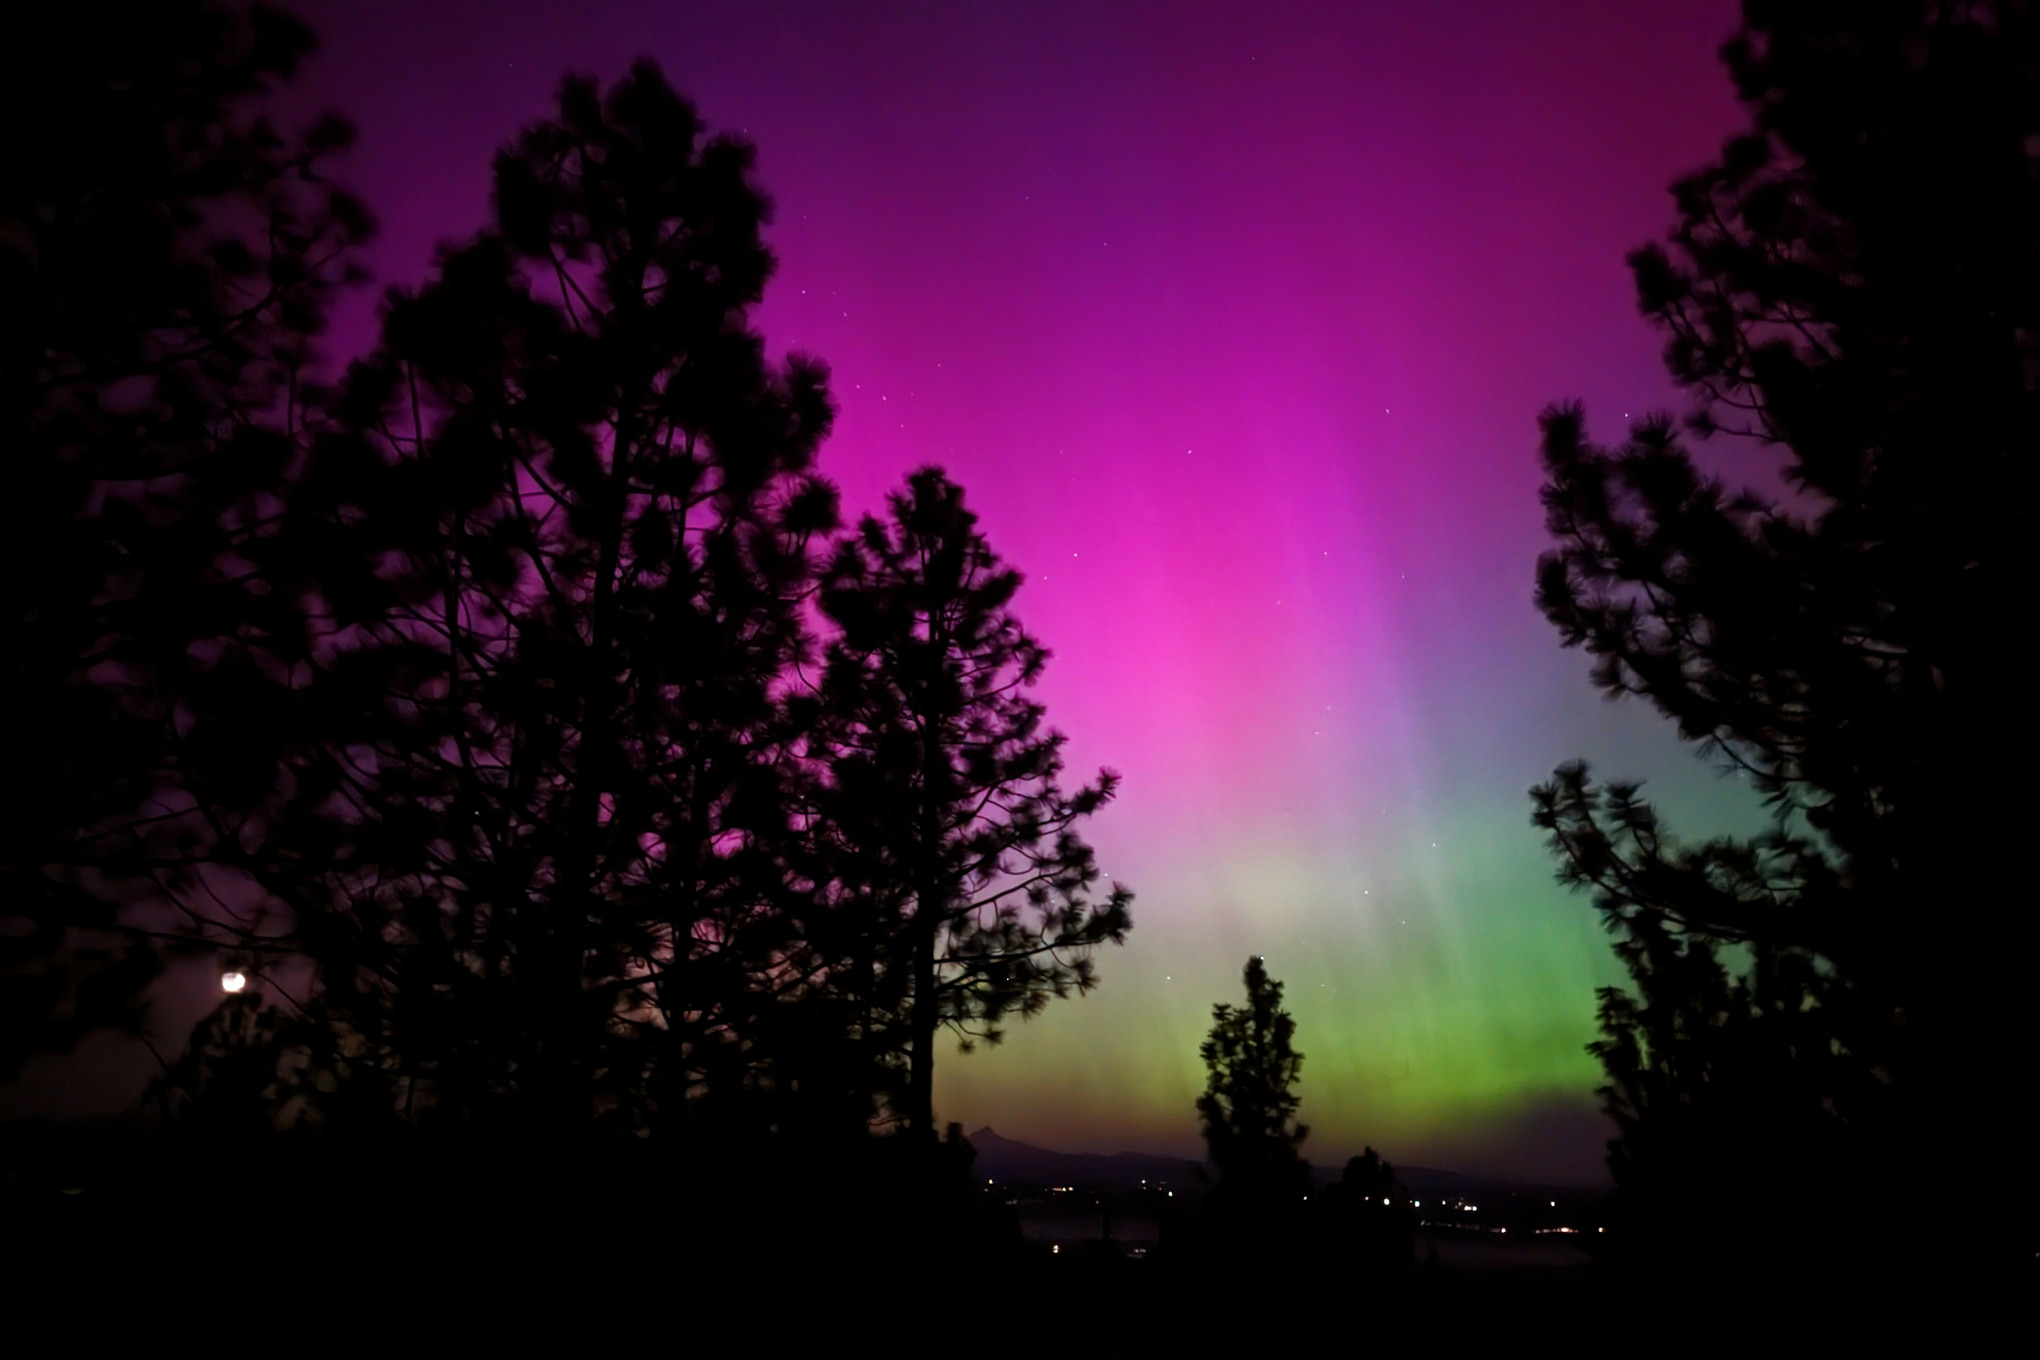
(515, 712)
(1823, 1064)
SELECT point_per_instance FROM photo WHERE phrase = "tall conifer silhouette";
(572, 503)
(970, 894)
(166, 258)
(1855, 283)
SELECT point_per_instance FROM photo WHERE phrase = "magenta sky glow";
(1235, 321)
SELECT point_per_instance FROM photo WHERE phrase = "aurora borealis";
(1234, 321)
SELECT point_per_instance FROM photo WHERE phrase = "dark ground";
(453, 1254)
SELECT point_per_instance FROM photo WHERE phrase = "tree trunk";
(920, 1110)
(931, 900)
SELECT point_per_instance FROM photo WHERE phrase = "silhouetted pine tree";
(1855, 282)
(1248, 1108)
(1724, 1085)
(1366, 1218)
(960, 888)
(564, 533)
(166, 257)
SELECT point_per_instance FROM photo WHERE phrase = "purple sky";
(1234, 320)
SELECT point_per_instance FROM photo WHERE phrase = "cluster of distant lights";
(1463, 1207)
(1386, 1200)
(991, 1184)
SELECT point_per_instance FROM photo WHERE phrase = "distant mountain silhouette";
(1002, 1159)
(1011, 1162)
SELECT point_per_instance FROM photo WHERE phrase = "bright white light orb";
(233, 982)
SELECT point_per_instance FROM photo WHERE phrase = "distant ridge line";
(1006, 1159)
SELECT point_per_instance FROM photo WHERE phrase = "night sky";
(1234, 321)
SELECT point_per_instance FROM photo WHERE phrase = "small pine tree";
(1365, 1219)
(1249, 1103)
